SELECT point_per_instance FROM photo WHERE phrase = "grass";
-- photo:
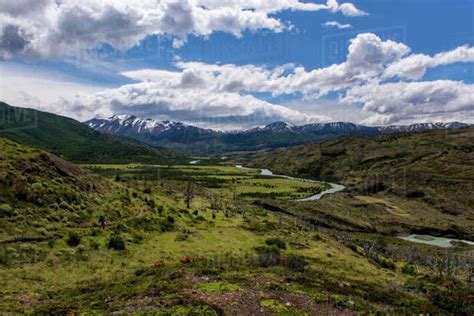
(159, 271)
(218, 287)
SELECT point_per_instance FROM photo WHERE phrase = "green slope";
(73, 140)
(434, 168)
(219, 256)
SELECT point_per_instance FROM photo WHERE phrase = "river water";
(434, 241)
(333, 187)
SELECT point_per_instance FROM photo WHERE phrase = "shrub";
(181, 237)
(387, 264)
(267, 256)
(3, 257)
(94, 245)
(160, 209)
(296, 263)
(276, 242)
(74, 239)
(81, 249)
(166, 226)
(42, 231)
(170, 219)
(409, 269)
(6, 210)
(51, 243)
(116, 242)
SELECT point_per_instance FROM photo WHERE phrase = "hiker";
(102, 221)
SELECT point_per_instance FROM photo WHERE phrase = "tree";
(189, 194)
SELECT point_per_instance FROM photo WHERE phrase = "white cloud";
(222, 96)
(402, 102)
(193, 104)
(337, 25)
(367, 58)
(414, 66)
(360, 80)
(48, 28)
(27, 87)
(347, 9)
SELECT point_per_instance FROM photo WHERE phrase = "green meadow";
(243, 239)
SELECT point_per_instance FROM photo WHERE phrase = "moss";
(218, 287)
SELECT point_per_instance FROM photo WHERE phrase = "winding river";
(333, 187)
(426, 239)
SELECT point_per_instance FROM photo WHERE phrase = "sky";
(236, 64)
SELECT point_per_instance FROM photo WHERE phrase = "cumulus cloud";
(367, 58)
(223, 96)
(203, 107)
(360, 80)
(337, 25)
(414, 66)
(46, 28)
(398, 102)
(347, 9)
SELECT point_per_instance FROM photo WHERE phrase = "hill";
(73, 140)
(433, 168)
(221, 254)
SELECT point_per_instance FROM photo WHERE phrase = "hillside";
(73, 140)
(223, 254)
(434, 169)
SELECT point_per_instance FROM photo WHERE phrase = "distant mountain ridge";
(278, 134)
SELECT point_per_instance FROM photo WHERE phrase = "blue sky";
(70, 76)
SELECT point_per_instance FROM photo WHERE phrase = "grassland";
(228, 253)
(225, 181)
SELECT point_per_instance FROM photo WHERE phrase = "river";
(333, 186)
(426, 239)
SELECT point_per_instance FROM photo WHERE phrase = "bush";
(276, 242)
(170, 219)
(94, 245)
(296, 263)
(387, 264)
(6, 210)
(409, 269)
(116, 242)
(74, 239)
(267, 256)
(181, 237)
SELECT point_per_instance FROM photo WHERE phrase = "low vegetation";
(187, 240)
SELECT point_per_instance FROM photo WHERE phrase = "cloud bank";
(52, 28)
(211, 90)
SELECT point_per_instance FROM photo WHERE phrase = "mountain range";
(74, 140)
(278, 134)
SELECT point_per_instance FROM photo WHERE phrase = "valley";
(353, 224)
(190, 238)
(236, 157)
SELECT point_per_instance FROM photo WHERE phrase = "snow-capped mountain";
(420, 127)
(126, 124)
(184, 136)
